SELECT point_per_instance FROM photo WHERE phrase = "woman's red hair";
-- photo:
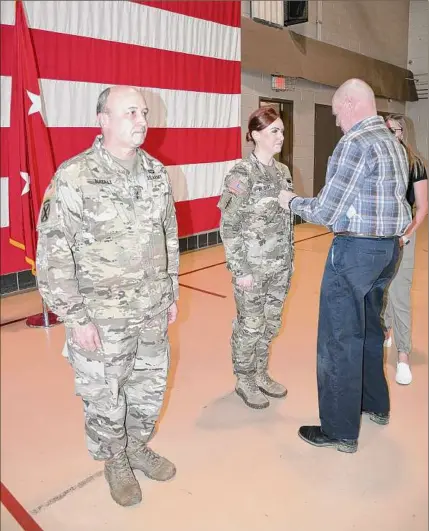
(259, 120)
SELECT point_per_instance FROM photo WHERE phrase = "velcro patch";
(236, 187)
(224, 201)
(152, 175)
(46, 210)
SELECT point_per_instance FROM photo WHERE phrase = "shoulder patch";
(45, 211)
(237, 180)
(236, 187)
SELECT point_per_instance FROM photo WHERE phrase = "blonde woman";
(397, 316)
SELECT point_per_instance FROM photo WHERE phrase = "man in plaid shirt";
(364, 204)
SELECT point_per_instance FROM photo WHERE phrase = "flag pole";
(46, 319)
(45, 314)
(31, 157)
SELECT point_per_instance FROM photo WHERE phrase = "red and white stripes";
(185, 55)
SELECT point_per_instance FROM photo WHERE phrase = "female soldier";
(258, 238)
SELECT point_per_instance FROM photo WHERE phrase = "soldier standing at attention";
(258, 238)
(107, 264)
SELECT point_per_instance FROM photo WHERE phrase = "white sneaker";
(403, 373)
(388, 342)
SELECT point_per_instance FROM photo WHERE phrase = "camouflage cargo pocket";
(90, 381)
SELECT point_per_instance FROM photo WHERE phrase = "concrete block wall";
(376, 28)
(418, 60)
(418, 42)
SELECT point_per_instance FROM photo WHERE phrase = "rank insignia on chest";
(137, 193)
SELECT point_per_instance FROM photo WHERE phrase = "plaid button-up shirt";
(366, 184)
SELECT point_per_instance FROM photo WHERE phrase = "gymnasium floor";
(238, 469)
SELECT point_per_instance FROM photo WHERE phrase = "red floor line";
(14, 321)
(203, 291)
(23, 518)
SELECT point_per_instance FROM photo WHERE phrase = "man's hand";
(404, 240)
(245, 282)
(285, 197)
(172, 313)
(87, 337)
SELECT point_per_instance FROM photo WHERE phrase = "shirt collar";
(372, 120)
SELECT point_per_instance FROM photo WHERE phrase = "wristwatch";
(290, 200)
(405, 240)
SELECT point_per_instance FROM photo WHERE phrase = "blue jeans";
(350, 371)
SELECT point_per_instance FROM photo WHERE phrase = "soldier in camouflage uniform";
(258, 238)
(107, 264)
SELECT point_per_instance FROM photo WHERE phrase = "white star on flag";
(26, 178)
(36, 103)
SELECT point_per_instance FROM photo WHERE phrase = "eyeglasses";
(393, 131)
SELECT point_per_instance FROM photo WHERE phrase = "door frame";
(289, 127)
(326, 106)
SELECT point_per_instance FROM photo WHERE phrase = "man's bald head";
(122, 115)
(355, 89)
(353, 102)
(111, 95)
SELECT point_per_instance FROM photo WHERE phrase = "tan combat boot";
(247, 389)
(269, 386)
(154, 466)
(124, 488)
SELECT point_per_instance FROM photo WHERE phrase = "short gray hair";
(102, 101)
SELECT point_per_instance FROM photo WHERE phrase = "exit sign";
(283, 83)
(278, 83)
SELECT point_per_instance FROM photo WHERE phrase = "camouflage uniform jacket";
(257, 233)
(108, 245)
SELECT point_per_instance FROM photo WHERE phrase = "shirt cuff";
(291, 201)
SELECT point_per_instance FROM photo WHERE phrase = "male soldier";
(107, 264)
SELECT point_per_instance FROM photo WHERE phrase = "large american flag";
(186, 55)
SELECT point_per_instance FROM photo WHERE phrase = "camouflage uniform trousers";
(258, 321)
(122, 391)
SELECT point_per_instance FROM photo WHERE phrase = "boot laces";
(151, 456)
(121, 468)
(265, 378)
(250, 384)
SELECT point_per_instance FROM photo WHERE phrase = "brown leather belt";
(361, 235)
